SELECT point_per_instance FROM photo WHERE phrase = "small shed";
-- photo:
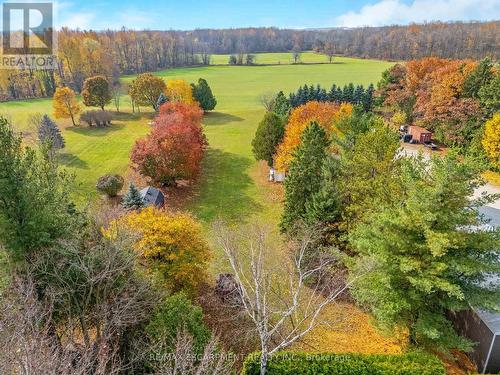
(483, 327)
(419, 134)
(152, 196)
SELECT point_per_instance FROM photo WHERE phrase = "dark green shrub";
(296, 363)
(177, 314)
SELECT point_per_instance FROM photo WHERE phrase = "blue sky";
(190, 14)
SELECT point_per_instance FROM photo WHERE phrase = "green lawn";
(228, 186)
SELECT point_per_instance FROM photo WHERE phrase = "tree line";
(82, 54)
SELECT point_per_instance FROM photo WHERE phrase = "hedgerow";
(297, 363)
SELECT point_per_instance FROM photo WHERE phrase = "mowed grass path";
(227, 188)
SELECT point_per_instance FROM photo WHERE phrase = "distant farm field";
(228, 187)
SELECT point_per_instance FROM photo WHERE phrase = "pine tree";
(49, 133)
(304, 176)
(162, 99)
(481, 76)
(281, 105)
(367, 100)
(332, 94)
(430, 250)
(132, 200)
(268, 136)
(324, 205)
(203, 95)
(358, 94)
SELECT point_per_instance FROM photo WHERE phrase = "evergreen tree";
(203, 95)
(489, 96)
(348, 93)
(132, 200)
(49, 134)
(162, 99)
(367, 100)
(268, 136)
(481, 76)
(332, 94)
(281, 105)
(304, 175)
(324, 205)
(358, 94)
(431, 255)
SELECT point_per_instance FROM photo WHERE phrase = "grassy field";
(279, 58)
(228, 185)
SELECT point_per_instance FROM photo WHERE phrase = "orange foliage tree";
(326, 114)
(178, 90)
(65, 104)
(192, 113)
(172, 246)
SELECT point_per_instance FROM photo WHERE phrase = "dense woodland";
(82, 54)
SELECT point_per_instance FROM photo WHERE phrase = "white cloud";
(390, 12)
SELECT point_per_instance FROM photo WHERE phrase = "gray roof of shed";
(152, 196)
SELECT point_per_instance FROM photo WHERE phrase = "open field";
(228, 185)
(283, 58)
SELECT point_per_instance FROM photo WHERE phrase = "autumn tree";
(178, 90)
(145, 89)
(202, 93)
(324, 113)
(172, 245)
(429, 247)
(491, 140)
(96, 92)
(189, 112)
(268, 136)
(173, 150)
(304, 176)
(65, 104)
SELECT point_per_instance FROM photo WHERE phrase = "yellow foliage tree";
(326, 114)
(65, 104)
(491, 139)
(179, 90)
(172, 246)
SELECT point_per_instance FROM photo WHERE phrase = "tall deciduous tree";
(202, 93)
(430, 254)
(96, 92)
(172, 245)
(145, 89)
(491, 140)
(304, 177)
(173, 150)
(268, 136)
(178, 90)
(65, 104)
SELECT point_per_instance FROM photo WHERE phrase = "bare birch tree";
(285, 307)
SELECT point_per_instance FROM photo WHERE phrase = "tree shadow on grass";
(220, 118)
(95, 131)
(223, 188)
(71, 160)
